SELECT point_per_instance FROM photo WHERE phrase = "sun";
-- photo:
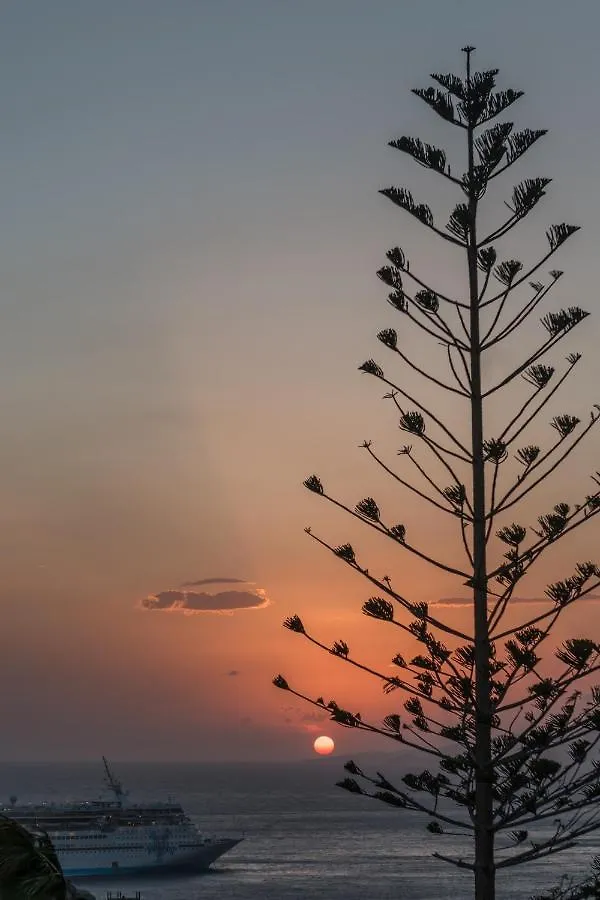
(324, 745)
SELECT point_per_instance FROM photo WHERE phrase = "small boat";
(120, 896)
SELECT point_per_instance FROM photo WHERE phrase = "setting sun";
(324, 745)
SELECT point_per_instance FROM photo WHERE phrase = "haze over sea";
(304, 838)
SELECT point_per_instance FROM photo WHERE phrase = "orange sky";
(190, 237)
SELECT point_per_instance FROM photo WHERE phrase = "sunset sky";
(190, 228)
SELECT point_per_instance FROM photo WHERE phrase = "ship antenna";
(113, 783)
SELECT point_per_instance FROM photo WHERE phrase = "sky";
(190, 228)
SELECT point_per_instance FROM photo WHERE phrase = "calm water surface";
(304, 838)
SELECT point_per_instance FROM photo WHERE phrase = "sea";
(304, 838)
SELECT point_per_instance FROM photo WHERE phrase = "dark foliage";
(509, 724)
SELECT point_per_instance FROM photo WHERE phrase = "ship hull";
(101, 864)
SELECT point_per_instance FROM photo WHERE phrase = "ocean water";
(303, 837)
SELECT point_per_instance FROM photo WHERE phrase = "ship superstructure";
(117, 837)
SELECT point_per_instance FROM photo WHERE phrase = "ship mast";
(113, 783)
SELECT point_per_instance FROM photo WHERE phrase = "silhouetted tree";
(29, 866)
(569, 889)
(512, 741)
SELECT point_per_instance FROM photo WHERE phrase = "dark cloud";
(315, 717)
(305, 720)
(233, 673)
(190, 602)
(202, 581)
(468, 601)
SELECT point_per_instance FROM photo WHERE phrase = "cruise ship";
(115, 837)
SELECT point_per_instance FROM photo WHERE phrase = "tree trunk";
(484, 835)
(485, 886)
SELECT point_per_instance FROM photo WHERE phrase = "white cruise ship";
(115, 837)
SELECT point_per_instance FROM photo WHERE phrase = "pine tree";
(511, 737)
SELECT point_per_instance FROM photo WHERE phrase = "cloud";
(191, 602)
(468, 601)
(315, 717)
(233, 673)
(201, 581)
(304, 721)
